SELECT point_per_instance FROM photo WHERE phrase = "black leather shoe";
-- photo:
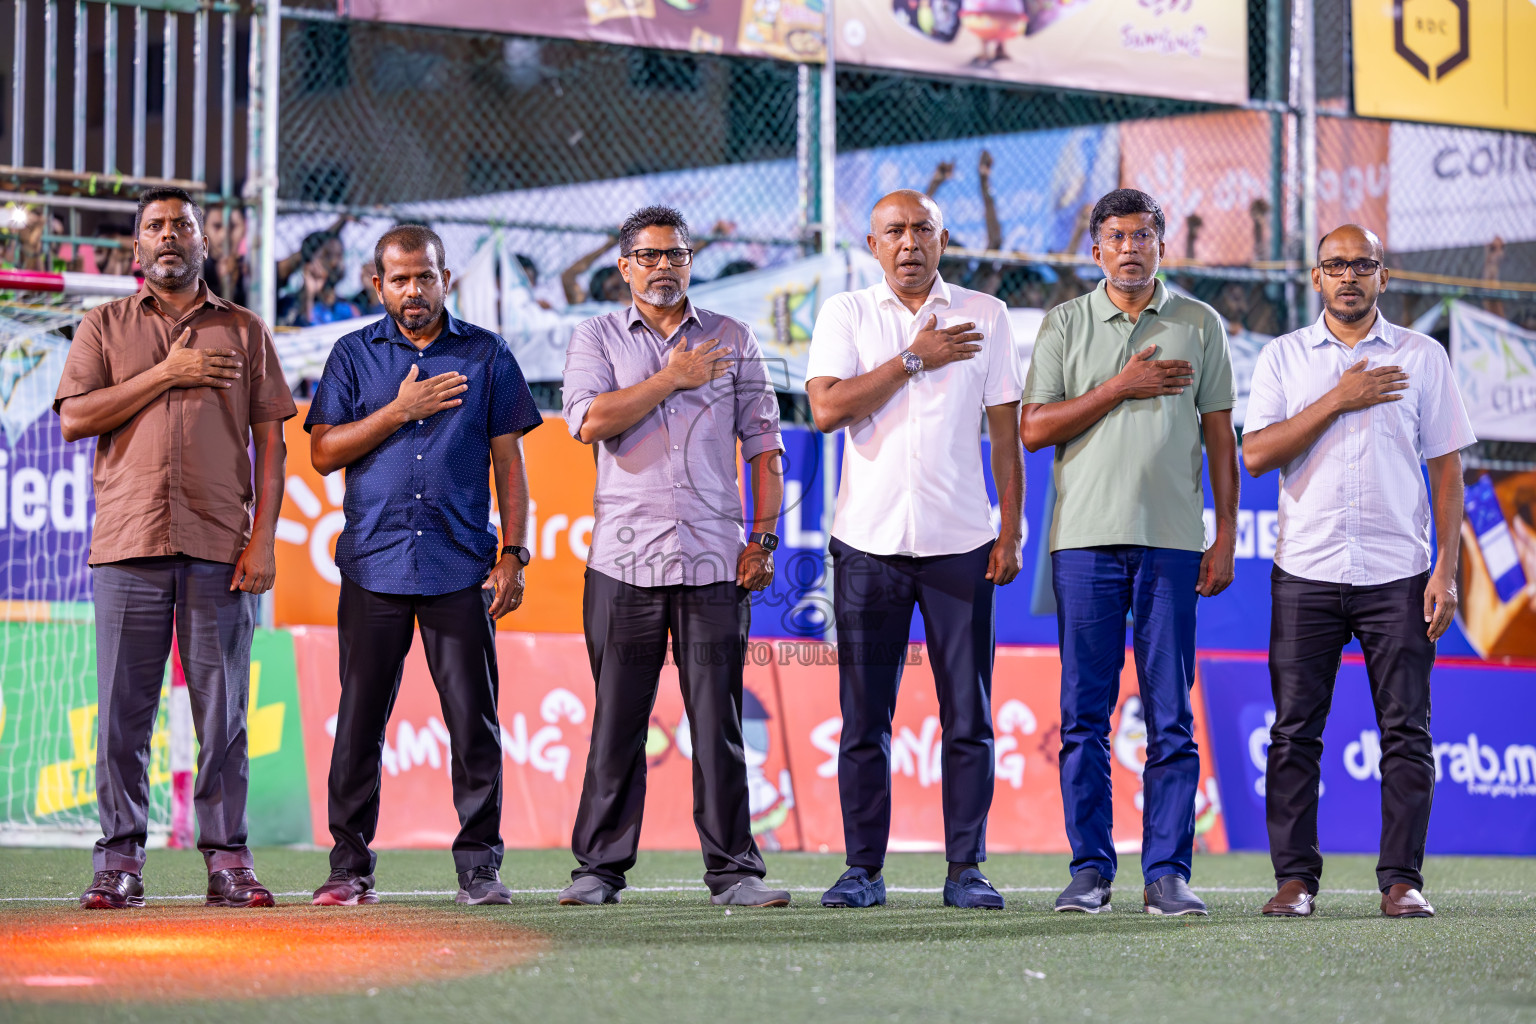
(237, 887)
(1088, 893)
(113, 890)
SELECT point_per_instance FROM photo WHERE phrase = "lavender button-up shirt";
(668, 502)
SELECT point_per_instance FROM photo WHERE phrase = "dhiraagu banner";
(48, 725)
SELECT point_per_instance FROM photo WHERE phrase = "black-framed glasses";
(652, 257)
(1362, 268)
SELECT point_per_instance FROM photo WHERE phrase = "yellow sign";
(1462, 62)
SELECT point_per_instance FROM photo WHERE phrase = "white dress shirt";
(1353, 506)
(912, 479)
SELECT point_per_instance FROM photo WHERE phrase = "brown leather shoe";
(1293, 900)
(1405, 901)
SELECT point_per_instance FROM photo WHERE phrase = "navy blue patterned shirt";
(418, 506)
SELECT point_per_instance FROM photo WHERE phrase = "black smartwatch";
(766, 541)
(523, 554)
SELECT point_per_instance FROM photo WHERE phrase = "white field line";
(916, 890)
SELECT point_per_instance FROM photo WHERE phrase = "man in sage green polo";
(1125, 382)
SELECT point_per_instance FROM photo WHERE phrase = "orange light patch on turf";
(172, 953)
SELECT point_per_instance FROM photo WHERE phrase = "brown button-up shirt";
(176, 478)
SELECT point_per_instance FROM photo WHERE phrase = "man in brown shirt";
(176, 382)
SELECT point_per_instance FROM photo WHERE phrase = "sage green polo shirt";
(1134, 476)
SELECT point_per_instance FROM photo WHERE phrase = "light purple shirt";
(1353, 506)
(668, 502)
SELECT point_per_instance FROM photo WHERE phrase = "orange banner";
(561, 476)
(1026, 812)
(546, 713)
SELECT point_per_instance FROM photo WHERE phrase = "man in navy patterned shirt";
(415, 407)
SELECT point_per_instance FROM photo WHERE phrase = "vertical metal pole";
(19, 88)
(82, 48)
(109, 92)
(266, 271)
(1305, 65)
(803, 151)
(171, 36)
(50, 83)
(140, 87)
(828, 135)
(200, 96)
(227, 113)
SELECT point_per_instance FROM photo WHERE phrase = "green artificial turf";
(667, 955)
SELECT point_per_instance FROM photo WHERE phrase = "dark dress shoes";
(1405, 901)
(1293, 900)
(237, 887)
(113, 890)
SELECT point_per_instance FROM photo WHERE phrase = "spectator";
(366, 301)
(735, 267)
(607, 285)
(225, 270)
(289, 265)
(118, 260)
(316, 301)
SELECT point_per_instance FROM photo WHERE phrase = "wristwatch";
(767, 541)
(523, 554)
(913, 363)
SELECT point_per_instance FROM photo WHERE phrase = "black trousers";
(375, 632)
(627, 629)
(1309, 626)
(873, 597)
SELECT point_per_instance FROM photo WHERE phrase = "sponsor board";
(1484, 728)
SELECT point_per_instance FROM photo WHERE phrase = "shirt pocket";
(1399, 419)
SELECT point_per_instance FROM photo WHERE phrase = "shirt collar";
(632, 315)
(1104, 308)
(938, 292)
(204, 297)
(1381, 331)
(391, 330)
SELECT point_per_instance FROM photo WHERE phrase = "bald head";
(901, 203)
(1355, 238)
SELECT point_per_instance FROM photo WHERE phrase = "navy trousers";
(873, 597)
(1095, 589)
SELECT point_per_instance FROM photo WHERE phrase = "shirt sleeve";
(1444, 426)
(85, 368)
(1266, 391)
(1002, 383)
(588, 373)
(335, 400)
(1046, 380)
(271, 398)
(512, 408)
(1216, 391)
(834, 351)
(757, 408)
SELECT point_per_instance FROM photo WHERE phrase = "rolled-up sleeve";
(588, 373)
(757, 408)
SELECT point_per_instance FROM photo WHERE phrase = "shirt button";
(418, 456)
(418, 533)
(1351, 430)
(674, 447)
(420, 422)
(418, 497)
(1351, 504)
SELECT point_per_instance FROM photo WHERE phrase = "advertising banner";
(1484, 730)
(1450, 61)
(1189, 49)
(1497, 574)
(1495, 364)
(1353, 175)
(786, 30)
(546, 721)
(1455, 187)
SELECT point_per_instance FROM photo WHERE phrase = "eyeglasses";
(1362, 268)
(1143, 239)
(652, 257)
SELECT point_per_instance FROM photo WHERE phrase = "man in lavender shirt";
(664, 391)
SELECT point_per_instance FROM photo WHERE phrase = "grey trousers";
(138, 602)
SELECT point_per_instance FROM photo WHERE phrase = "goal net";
(47, 638)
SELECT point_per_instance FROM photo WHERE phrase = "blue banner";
(1484, 726)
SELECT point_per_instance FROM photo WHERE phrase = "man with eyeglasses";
(664, 391)
(1126, 382)
(1347, 409)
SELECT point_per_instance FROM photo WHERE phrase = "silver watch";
(913, 362)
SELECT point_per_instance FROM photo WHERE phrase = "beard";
(662, 294)
(415, 314)
(1130, 284)
(176, 278)
(1345, 315)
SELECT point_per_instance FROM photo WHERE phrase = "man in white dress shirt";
(1346, 409)
(909, 367)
